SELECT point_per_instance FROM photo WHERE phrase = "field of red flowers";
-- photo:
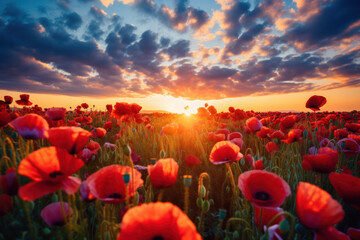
(119, 174)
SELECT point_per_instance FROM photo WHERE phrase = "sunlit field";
(121, 174)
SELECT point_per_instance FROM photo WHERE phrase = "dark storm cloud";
(245, 41)
(11, 10)
(179, 49)
(327, 27)
(32, 56)
(232, 18)
(72, 20)
(244, 26)
(94, 30)
(216, 72)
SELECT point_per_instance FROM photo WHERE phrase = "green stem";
(234, 219)
(31, 227)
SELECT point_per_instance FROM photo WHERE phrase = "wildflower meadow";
(119, 174)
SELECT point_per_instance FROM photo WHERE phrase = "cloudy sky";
(212, 51)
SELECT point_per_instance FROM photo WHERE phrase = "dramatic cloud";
(136, 48)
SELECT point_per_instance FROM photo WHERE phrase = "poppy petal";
(315, 208)
(35, 190)
(71, 184)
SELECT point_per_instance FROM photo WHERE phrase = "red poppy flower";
(149, 127)
(253, 124)
(315, 208)
(347, 186)
(85, 105)
(264, 132)
(354, 233)
(158, 221)
(121, 109)
(24, 100)
(98, 133)
(315, 102)
(53, 213)
(276, 134)
(239, 114)
(237, 141)
(135, 108)
(263, 189)
(212, 110)
(202, 112)
(86, 154)
(109, 107)
(164, 173)
(170, 129)
(56, 114)
(73, 139)
(258, 165)
(5, 118)
(271, 147)
(353, 127)
(249, 159)
(293, 135)
(233, 135)
(31, 126)
(224, 131)
(146, 120)
(72, 123)
(355, 137)
(215, 137)
(349, 146)
(51, 169)
(108, 125)
(225, 151)
(9, 183)
(83, 120)
(231, 109)
(267, 215)
(287, 122)
(5, 204)
(107, 184)
(191, 160)
(8, 100)
(340, 133)
(324, 162)
(93, 146)
(330, 233)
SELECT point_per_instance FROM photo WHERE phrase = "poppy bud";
(54, 198)
(205, 206)
(46, 231)
(236, 235)
(126, 177)
(284, 226)
(162, 153)
(127, 150)
(187, 180)
(222, 214)
(305, 133)
(202, 191)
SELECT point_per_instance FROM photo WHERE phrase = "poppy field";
(121, 174)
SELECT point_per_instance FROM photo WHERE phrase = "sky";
(167, 54)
